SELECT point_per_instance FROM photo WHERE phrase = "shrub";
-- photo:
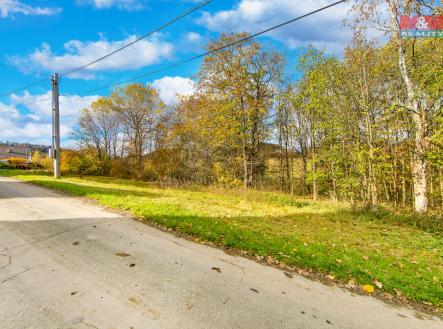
(17, 162)
(119, 168)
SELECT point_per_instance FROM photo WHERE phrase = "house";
(21, 152)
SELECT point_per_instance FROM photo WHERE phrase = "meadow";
(399, 255)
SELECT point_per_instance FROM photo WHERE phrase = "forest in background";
(366, 126)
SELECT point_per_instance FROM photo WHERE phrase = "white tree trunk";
(419, 162)
(419, 165)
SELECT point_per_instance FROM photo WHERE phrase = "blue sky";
(40, 37)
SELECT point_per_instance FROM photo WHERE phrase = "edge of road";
(289, 271)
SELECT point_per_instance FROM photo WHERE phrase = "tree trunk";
(372, 184)
(386, 190)
(419, 162)
(286, 139)
(431, 188)
(314, 167)
(245, 166)
(280, 144)
(403, 182)
(419, 165)
(245, 148)
(333, 183)
(395, 173)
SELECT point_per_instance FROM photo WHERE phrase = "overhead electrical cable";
(24, 87)
(239, 41)
(144, 36)
(176, 19)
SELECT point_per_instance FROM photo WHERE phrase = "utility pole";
(55, 125)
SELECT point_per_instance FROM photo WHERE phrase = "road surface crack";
(236, 265)
(9, 261)
(16, 275)
(89, 325)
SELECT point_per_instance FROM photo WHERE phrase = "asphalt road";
(68, 264)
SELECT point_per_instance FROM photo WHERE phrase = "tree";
(98, 131)
(240, 83)
(312, 104)
(138, 109)
(345, 129)
(416, 103)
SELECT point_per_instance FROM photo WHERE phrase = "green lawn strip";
(325, 237)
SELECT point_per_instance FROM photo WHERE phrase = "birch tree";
(416, 102)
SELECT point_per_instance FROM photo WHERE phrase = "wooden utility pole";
(55, 126)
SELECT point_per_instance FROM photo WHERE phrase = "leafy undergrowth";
(400, 255)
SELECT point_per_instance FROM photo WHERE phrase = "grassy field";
(401, 256)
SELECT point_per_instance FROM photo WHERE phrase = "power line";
(239, 41)
(183, 15)
(25, 87)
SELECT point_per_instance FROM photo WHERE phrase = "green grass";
(5, 165)
(403, 252)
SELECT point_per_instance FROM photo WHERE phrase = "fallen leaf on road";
(289, 275)
(122, 254)
(131, 265)
(134, 300)
(254, 290)
(368, 288)
(76, 243)
(217, 269)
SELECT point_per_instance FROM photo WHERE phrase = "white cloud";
(128, 5)
(40, 105)
(171, 87)
(192, 42)
(78, 53)
(28, 132)
(12, 7)
(8, 111)
(34, 125)
(322, 29)
(193, 37)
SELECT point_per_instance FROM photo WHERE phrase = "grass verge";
(401, 256)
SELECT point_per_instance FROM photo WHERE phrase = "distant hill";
(10, 150)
